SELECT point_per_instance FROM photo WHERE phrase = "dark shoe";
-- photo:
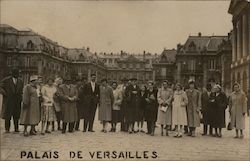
(179, 136)
(59, 128)
(25, 134)
(102, 130)
(47, 131)
(142, 131)
(236, 137)
(91, 131)
(32, 133)
(42, 133)
(63, 131)
(152, 134)
(130, 132)
(84, 131)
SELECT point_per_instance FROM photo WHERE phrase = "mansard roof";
(199, 43)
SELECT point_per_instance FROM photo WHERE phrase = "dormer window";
(192, 46)
(30, 45)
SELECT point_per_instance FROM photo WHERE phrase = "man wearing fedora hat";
(132, 96)
(12, 89)
(68, 96)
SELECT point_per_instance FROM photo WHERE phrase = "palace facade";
(201, 58)
(240, 9)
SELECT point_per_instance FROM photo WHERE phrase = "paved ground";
(167, 148)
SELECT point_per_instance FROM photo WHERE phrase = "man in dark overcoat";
(12, 88)
(206, 110)
(92, 95)
(80, 102)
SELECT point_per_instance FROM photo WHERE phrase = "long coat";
(68, 107)
(106, 102)
(141, 112)
(31, 110)
(151, 106)
(238, 106)
(12, 98)
(132, 95)
(193, 107)
(179, 112)
(165, 96)
(220, 105)
(80, 103)
(206, 108)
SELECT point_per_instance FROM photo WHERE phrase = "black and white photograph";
(163, 80)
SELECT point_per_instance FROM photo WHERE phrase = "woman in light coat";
(30, 111)
(106, 103)
(116, 108)
(48, 111)
(179, 113)
(57, 104)
(164, 98)
(193, 108)
(238, 109)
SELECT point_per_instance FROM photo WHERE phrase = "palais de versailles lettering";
(202, 58)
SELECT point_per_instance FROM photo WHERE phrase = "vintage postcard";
(124, 80)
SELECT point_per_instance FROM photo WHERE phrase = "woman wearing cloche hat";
(30, 112)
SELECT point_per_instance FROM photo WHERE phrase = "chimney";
(121, 51)
(199, 34)
(144, 52)
(87, 48)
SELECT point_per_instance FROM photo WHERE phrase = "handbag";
(229, 126)
(164, 108)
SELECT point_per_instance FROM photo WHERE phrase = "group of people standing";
(66, 102)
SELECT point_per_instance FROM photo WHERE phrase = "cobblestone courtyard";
(167, 148)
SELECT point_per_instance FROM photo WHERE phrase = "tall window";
(191, 65)
(163, 72)
(27, 61)
(212, 64)
(9, 61)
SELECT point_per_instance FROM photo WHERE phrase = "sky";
(111, 26)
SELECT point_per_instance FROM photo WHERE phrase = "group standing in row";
(67, 102)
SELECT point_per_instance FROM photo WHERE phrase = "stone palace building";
(240, 9)
(199, 59)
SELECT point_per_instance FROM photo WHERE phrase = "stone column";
(178, 76)
(239, 39)
(39, 67)
(153, 75)
(244, 35)
(234, 44)
(248, 43)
